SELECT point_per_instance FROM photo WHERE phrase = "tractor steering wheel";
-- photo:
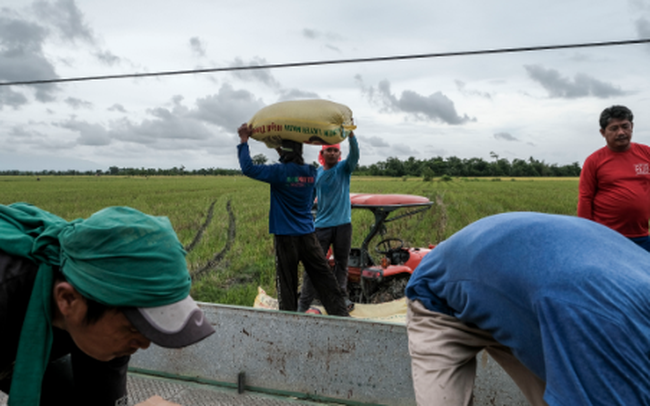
(386, 246)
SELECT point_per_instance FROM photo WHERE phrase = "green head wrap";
(118, 257)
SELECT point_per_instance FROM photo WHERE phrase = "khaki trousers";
(443, 359)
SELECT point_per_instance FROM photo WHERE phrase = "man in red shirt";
(615, 180)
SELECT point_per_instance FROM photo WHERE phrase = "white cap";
(172, 326)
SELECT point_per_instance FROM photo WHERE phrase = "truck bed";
(289, 358)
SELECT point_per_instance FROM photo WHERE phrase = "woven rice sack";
(317, 122)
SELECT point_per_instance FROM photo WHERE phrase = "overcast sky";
(541, 104)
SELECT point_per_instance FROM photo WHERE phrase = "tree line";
(391, 167)
(114, 170)
(454, 166)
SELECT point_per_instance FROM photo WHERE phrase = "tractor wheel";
(390, 289)
(354, 292)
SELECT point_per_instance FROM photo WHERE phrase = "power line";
(330, 62)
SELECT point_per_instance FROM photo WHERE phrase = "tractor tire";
(354, 292)
(390, 289)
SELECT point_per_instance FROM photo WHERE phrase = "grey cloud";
(228, 108)
(68, 21)
(641, 5)
(582, 85)
(505, 136)
(10, 98)
(260, 75)
(295, 94)
(22, 133)
(435, 107)
(462, 87)
(22, 58)
(436, 151)
(31, 67)
(376, 141)
(333, 48)
(21, 45)
(315, 34)
(89, 134)
(117, 107)
(66, 17)
(311, 34)
(326, 36)
(643, 28)
(197, 46)
(367, 91)
(78, 103)
(19, 34)
(174, 128)
(107, 58)
(166, 131)
(401, 149)
(25, 136)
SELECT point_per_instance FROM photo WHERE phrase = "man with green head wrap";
(97, 289)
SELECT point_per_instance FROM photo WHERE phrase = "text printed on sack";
(263, 129)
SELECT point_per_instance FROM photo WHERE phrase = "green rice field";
(230, 252)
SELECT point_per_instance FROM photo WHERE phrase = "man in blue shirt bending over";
(334, 217)
(561, 303)
(291, 223)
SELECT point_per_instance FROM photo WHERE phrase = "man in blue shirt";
(561, 303)
(291, 223)
(334, 217)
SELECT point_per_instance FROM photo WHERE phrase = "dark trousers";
(100, 384)
(340, 238)
(289, 251)
(643, 242)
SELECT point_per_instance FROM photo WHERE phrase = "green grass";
(249, 263)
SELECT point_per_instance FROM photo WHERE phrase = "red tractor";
(371, 282)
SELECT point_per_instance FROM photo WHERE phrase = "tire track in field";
(218, 257)
(206, 223)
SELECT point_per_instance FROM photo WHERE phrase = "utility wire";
(330, 62)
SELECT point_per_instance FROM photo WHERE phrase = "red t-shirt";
(615, 189)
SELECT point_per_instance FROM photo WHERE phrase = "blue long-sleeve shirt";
(292, 188)
(333, 190)
(570, 297)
